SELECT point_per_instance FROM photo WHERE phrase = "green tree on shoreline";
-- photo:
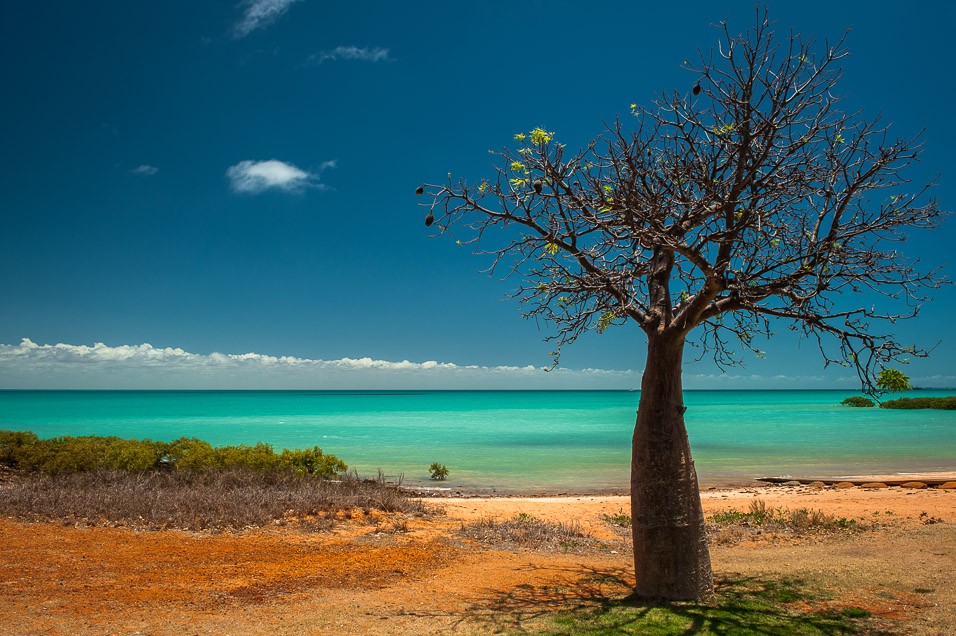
(745, 201)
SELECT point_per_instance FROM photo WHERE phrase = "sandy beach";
(418, 575)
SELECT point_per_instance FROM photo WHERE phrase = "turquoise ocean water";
(514, 441)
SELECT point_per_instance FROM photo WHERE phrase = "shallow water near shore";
(515, 441)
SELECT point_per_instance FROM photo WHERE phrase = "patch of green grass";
(727, 517)
(740, 607)
(782, 520)
(730, 526)
(619, 519)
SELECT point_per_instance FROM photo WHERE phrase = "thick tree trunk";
(671, 559)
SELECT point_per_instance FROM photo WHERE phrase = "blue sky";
(187, 182)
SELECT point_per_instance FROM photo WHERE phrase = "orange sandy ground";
(366, 578)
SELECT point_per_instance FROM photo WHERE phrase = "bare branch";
(750, 202)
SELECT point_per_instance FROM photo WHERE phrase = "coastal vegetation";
(438, 471)
(66, 454)
(858, 402)
(618, 519)
(731, 526)
(942, 403)
(232, 498)
(744, 200)
(760, 518)
(185, 484)
(527, 531)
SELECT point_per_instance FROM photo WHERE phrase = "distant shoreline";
(504, 442)
(450, 492)
(848, 390)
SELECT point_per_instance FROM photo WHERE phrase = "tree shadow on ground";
(585, 600)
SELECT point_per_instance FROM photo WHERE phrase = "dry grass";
(226, 499)
(733, 525)
(524, 530)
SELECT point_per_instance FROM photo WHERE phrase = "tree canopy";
(745, 201)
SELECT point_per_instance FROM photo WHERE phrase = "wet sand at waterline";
(418, 575)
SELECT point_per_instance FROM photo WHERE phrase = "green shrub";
(189, 452)
(63, 455)
(439, 471)
(943, 403)
(11, 443)
(857, 401)
(312, 462)
(132, 455)
(258, 457)
(67, 454)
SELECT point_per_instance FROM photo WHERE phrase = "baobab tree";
(744, 203)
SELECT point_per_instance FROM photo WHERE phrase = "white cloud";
(760, 381)
(376, 54)
(258, 176)
(99, 352)
(258, 14)
(31, 365)
(145, 169)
